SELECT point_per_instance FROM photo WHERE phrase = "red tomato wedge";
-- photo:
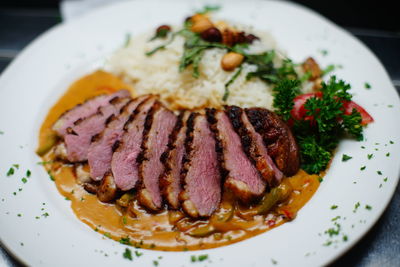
(299, 112)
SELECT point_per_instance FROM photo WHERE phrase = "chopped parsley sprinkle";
(369, 156)
(127, 254)
(19, 215)
(124, 220)
(346, 157)
(16, 166)
(368, 207)
(385, 180)
(356, 206)
(51, 176)
(345, 238)
(320, 179)
(333, 207)
(387, 154)
(323, 52)
(125, 240)
(363, 147)
(336, 218)
(155, 263)
(379, 172)
(1, 132)
(44, 162)
(66, 198)
(274, 262)
(14, 193)
(367, 85)
(138, 254)
(391, 142)
(334, 230)
(363, 168)
(107, 235)
(199, 258)
(24, 180)
(46, 214)
(390, 106)
(10, 172)
(28, 173)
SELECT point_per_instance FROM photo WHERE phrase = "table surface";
(381, 246)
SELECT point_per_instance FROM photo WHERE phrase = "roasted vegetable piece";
(276, 195)
(202, 231)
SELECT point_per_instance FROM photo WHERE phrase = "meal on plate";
(196, 136)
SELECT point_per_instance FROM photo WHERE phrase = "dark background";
(376, 23)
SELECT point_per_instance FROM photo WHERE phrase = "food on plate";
(197, 137)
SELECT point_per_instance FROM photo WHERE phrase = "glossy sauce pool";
(168, 230)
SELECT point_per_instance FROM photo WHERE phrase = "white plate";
(43, 71)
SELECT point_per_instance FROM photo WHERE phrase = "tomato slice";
(365, 117)
(299, 112)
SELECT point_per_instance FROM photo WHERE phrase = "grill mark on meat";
(200, 174)
(278, 138)
(84, 110)
(158, 126)
(242, 177)
(103, 144)
(253, 146)
(123, 164)
(78, 144)
(170, 180)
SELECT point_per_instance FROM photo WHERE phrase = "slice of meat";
(201, 175)
(84, 110)
(242, 177)
(170, 180)
(123, 163)
(158, 126)
(253, 145)
(278, 138)
(79, 137)
(101, 149)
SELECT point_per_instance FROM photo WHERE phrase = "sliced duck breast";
(78, 138)
(253, 146)
(158, 126)
(201, 176)
(101, 149)
(84, 110)
(124, 166)
(242, 177)
(170, 180)
(278, 138)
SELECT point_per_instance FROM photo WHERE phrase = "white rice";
(159, 74)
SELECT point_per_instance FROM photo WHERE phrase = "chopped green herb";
(125, 240)
(274, 262)
(320, 179)
(333, 207)
(1, 132)
(203, 257)
(45, 215)
(346, 157)
(391, 142)
(379, 172)
(345, 238)
(51, 176)
(155, 263)
(107, 235)
(231, 80)
(138, 254)
(324, 52)
(19, 215)
(369, 156)
(66, 198)
(124, 220)
(390, 106)
(363, 147)
(24, 180)
(328, 69)
(367, 85)
(16, 166)
(127, 254)
(387, 154)
(356, 206)
(385, 180)
(208, 8)
(363, 168)
(328, 243)
(336, 218)
(284, 93)
(10, 172)
(368, 207)
(193, 258)
(45, 162)
(28, 173)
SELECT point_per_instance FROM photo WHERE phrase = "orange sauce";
(168, 230)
